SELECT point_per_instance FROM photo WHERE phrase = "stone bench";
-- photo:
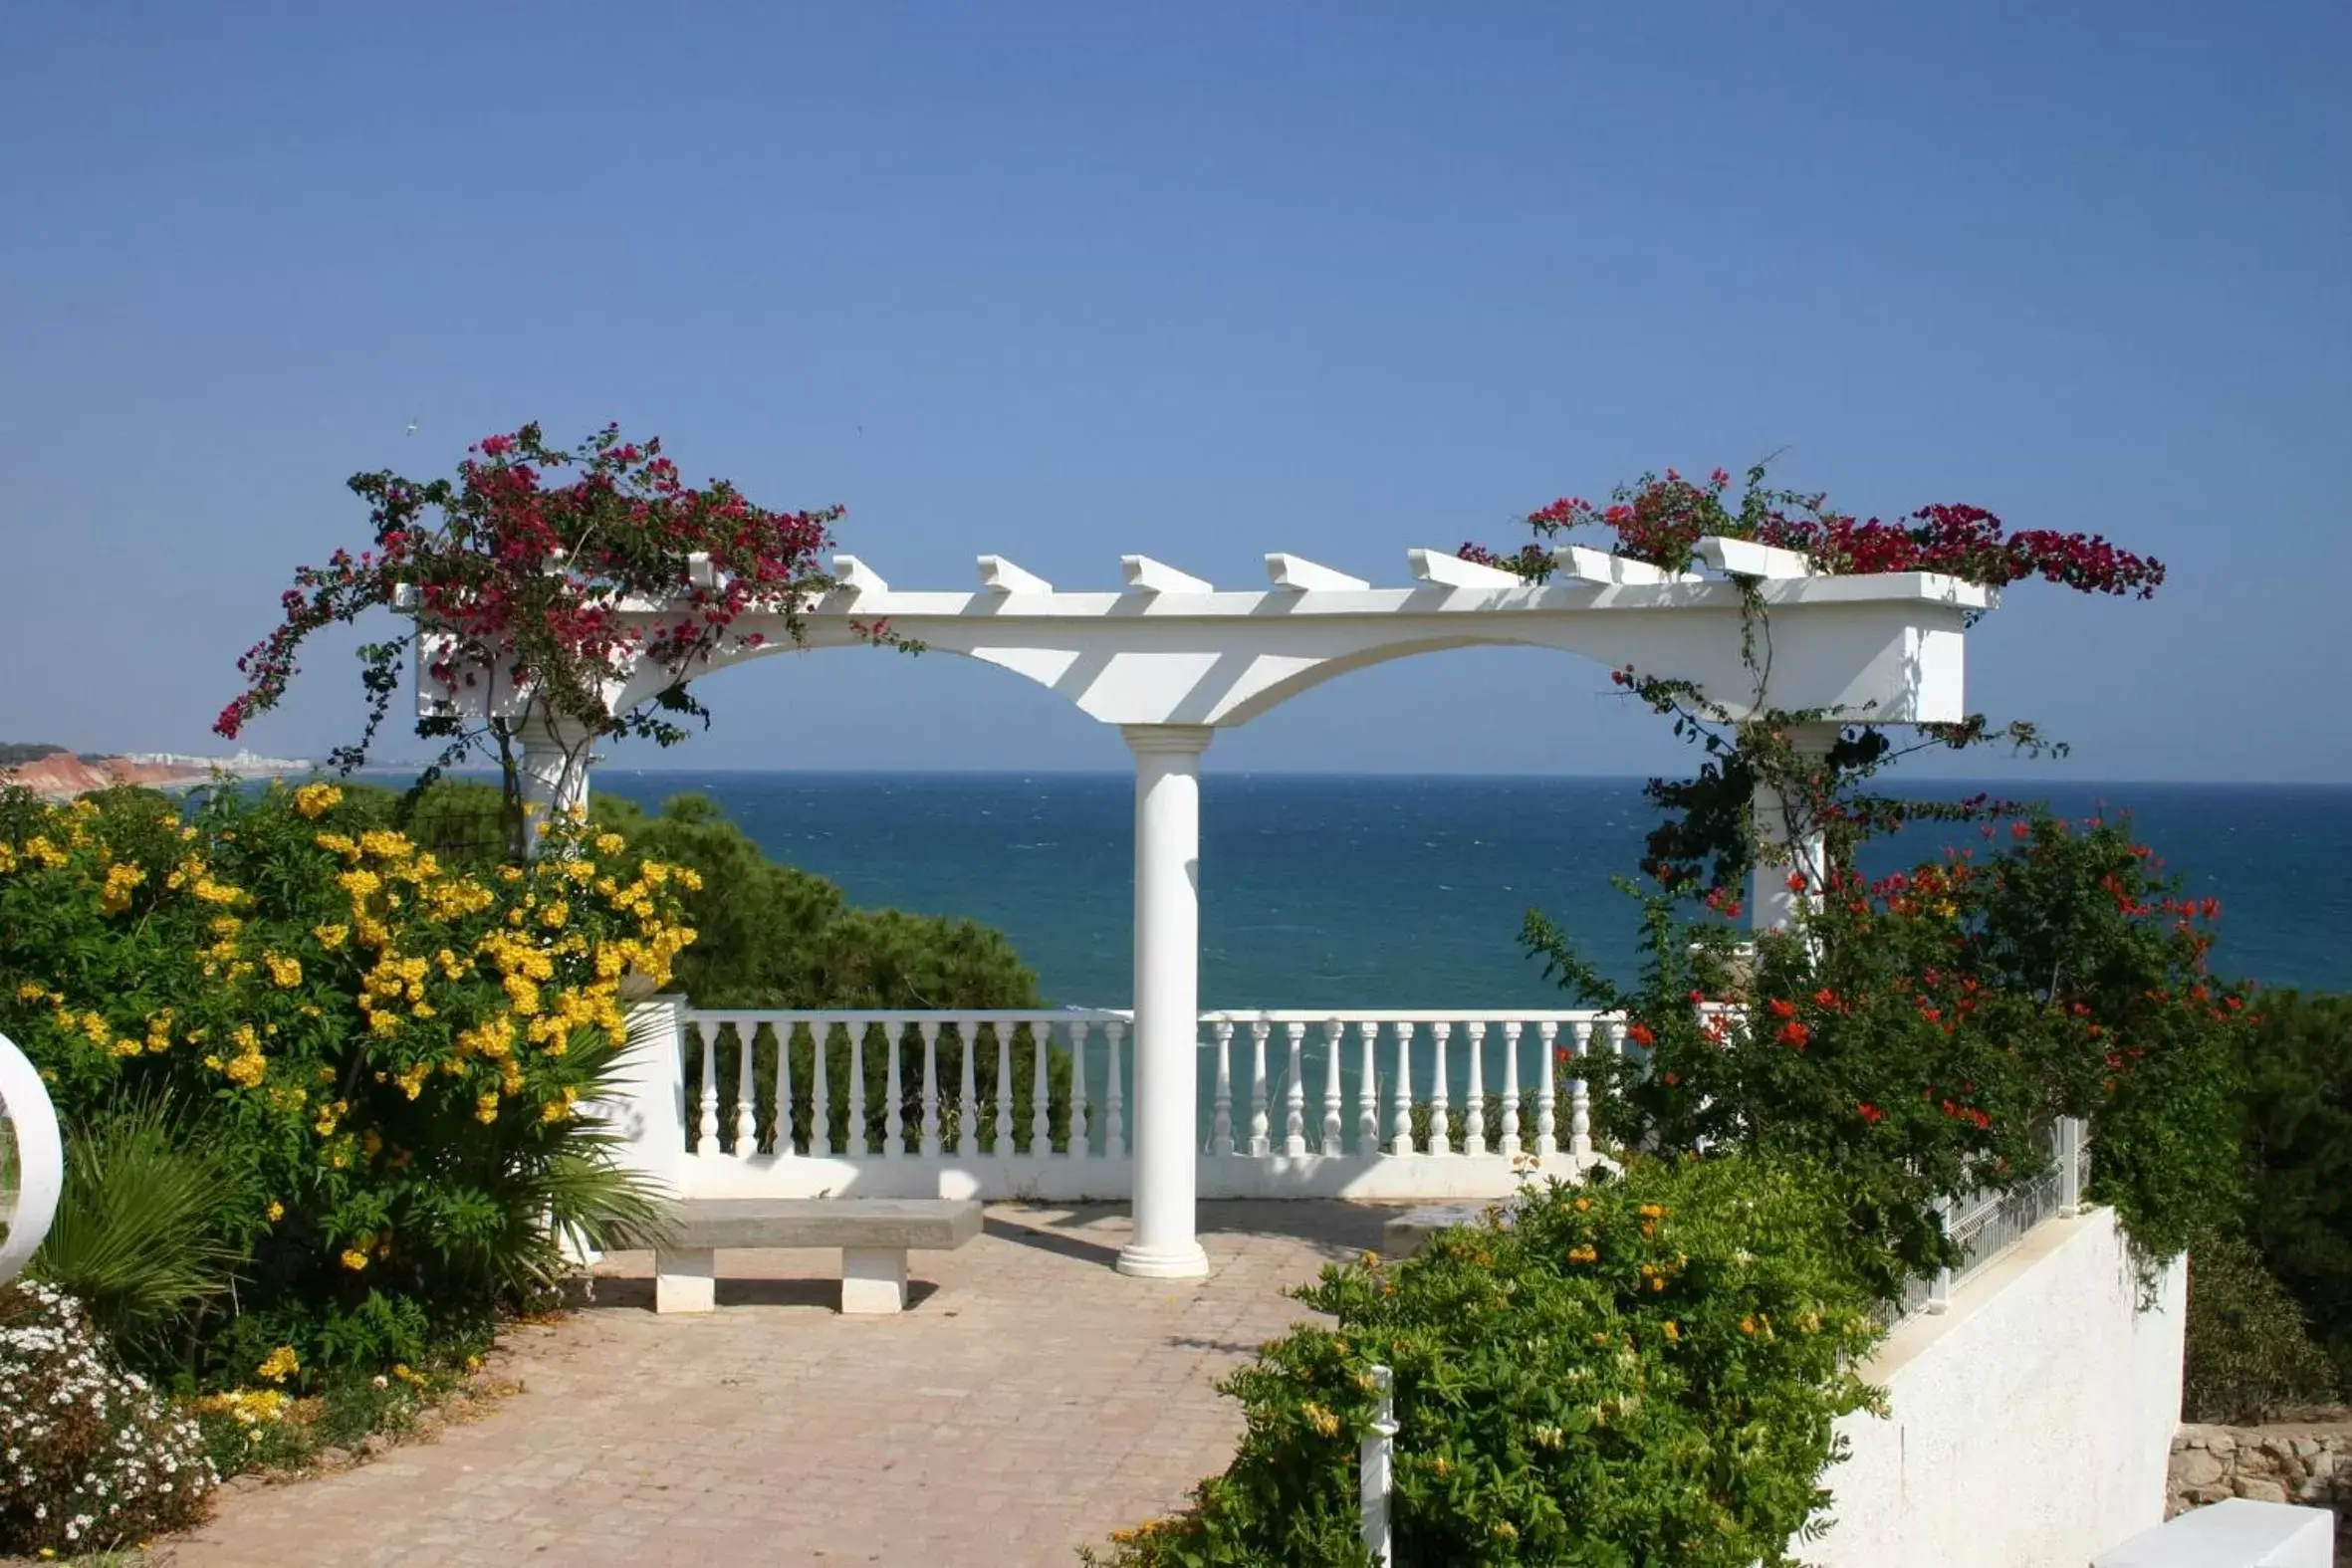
(874, 1234)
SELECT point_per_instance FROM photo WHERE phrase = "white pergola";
(1171, 660)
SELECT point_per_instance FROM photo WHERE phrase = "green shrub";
(145, 1230)
(383, 1050)
(90, 1458)
(2298, 1144)
(1641, 1372)
(2251, 1352)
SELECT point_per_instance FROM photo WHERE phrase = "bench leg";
(873, 1279)
(685, 1281)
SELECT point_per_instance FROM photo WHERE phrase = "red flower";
(1796, 1034)
(1797, 881)
(1871, 1113)
(1782, 1008)
(1640, 1035)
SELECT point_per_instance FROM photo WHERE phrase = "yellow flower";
(354, 1259)
(121, 880)
(286, 972)
(277, 1211)
(610, 843)
(1322, 1421)
(331, 936)
(1673, 1330)
(279, 1365)
(31, 992)
(486, 1109)
(314, 800)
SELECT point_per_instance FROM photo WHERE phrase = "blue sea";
(1409, 892)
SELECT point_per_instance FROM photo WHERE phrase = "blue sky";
(1203, 281)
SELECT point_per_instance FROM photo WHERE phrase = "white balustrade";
(956, 1126)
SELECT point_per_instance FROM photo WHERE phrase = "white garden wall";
(2031, 1424)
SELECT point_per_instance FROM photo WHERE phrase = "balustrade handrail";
(888, 1016)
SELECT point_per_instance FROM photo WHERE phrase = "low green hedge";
(1643, 1371)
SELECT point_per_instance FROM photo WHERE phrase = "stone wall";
(2028, 1423)
(2302, 1462)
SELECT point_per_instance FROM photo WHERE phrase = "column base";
(1153, 1263)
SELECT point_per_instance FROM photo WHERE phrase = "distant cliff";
(55, 771)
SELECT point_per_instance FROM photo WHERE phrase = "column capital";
(1813, 738)
(1183, 740)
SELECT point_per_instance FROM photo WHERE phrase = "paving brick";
(1033, 1401)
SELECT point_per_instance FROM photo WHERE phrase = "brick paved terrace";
(1030, 1402)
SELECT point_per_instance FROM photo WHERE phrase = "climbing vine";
(528, 574)
(1915, 1033)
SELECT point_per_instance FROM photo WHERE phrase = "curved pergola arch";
(1171, 660)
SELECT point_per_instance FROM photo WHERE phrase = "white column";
(555, 772)
(1785, 844)
(1167, 998)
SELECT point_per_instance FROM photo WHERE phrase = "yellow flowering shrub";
(392, 1048)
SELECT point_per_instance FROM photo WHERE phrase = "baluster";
(1114, 1128)
(1260, 1146)
(1295, 1094)
(1510, 1144)
(706, 1125)
(1548, 1091)
(1081, 1140)
(1400, 1127)
(747, 1132)
(1580, 1097)
(1221, 1120)
(1367, 1092)
(1000, 1141)
(820, 1106)
(893, 1114)
(1040, 1088)
(1441, 1136)
(929, 1029)
(856, 1140)
(784, 1147)
(1334, 1033)
(968, 1108)
(1474, 1111)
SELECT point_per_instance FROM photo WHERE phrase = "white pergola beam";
(1451, 572)
(1298, 573)
(1146, 576)
(1002, 577)
(1744, 557)
(1586, 564)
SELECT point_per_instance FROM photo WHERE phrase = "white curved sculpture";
(28, 1122)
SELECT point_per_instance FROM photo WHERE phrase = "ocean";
(1382, 891)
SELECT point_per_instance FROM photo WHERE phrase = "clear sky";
(1200, 281)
